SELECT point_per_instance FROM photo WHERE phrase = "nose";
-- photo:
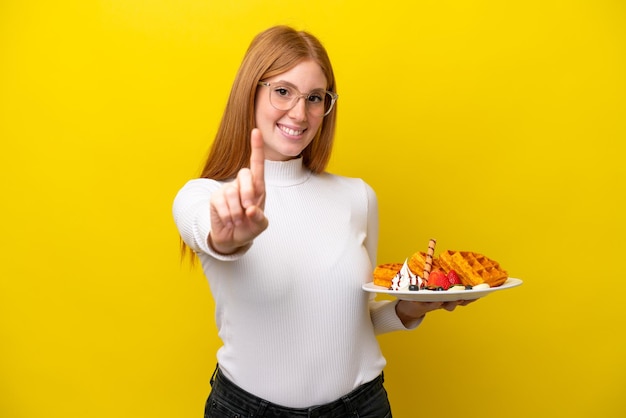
(299, 111)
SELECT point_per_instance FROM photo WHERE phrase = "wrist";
(222, 249)
(409, 312)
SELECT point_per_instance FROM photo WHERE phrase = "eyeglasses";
(285, 97)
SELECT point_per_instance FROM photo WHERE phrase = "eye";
(316, 97)
(282, 92)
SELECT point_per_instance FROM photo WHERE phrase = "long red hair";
(272, 52)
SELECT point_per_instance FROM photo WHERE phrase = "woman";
(286, 247)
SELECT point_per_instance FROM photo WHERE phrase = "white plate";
(443, 295)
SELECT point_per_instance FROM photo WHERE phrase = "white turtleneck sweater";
(297, 329)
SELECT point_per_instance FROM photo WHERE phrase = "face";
(287, 132)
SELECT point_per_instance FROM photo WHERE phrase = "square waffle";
(473, 268)
(384, 274)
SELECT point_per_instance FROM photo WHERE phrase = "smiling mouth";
(289, 131)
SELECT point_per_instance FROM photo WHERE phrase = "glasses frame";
(334, 96)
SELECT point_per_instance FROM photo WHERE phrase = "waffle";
(473, 268)
(417, 261)
(384, 273)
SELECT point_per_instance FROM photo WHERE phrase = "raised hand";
(237, 208)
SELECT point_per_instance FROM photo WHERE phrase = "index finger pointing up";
(257, 162)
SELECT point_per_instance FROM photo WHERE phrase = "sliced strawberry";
(436, 279)
(453, 278)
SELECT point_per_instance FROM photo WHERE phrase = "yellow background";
(493, 126)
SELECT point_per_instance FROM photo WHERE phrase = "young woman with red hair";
(286, 247)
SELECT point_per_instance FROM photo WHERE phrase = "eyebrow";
(283, 82)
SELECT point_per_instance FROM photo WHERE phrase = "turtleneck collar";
(285, 173)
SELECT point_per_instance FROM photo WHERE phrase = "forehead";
(305, 76)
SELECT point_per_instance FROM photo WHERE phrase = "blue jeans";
(228, 400)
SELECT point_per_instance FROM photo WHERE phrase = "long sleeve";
(383, 313)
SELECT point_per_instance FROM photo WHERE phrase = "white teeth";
(290, 131)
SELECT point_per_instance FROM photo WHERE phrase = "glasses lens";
(318, 102)
(282, 98)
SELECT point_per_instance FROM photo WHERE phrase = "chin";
(290, 154)
(287, 157)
